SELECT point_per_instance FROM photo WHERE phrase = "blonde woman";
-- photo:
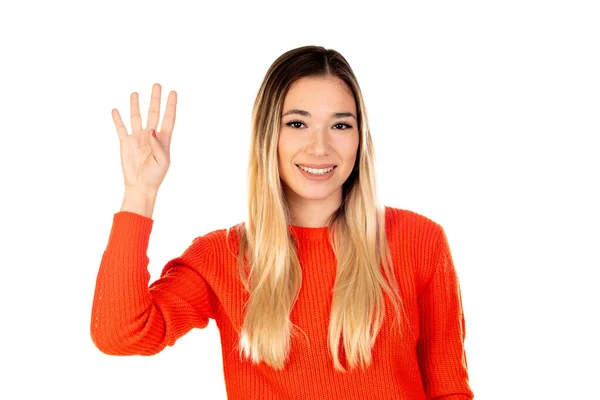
(321, 293)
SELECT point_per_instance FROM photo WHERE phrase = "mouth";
(322, 171)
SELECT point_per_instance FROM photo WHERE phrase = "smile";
(316, 171)
(317, 174)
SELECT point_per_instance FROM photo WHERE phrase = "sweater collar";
(307, 233)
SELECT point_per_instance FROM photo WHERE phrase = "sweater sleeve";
(440, 348)
(129, 317)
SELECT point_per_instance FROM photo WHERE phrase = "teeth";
(316, 171)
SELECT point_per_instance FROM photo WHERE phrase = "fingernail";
(153, 133)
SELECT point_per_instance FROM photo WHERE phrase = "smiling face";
(319, 130)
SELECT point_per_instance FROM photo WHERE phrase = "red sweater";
(129, 317)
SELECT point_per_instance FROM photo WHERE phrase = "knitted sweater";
(423, 359)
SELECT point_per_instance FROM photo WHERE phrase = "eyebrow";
(307, 114)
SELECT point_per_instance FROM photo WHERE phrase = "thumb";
(157, 149)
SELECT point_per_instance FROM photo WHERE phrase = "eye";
(294, 124)
(346, 126)
(299, 124)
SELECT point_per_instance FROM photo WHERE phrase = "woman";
(321, 293)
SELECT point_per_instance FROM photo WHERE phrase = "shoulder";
(414, 235)
(418, 240)
(407, 222)
(216, 242)
(211, 254)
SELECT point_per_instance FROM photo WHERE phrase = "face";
(319, 131)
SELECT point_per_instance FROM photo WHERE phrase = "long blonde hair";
(267, 260)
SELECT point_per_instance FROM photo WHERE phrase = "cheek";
(282, 153)
(348, 148)
(287, 147)
(283, 158)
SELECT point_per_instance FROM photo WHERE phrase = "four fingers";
(153, 114)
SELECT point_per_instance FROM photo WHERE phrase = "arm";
(128, 316)
(440, 348)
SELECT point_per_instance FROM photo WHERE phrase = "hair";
(267, 260)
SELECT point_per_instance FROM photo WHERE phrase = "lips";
(317, 166)
(313, 176)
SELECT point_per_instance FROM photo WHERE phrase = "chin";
(316, 194)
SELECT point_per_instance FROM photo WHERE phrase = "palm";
(140, 167)
(145, 162)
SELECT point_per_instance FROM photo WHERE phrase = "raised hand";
(146, 158)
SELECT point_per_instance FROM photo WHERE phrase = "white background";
(485, 117)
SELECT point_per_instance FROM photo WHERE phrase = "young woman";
(321, 293)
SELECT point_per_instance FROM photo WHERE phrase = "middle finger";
(136, 118)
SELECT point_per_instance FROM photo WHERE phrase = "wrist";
(149, 194)
(139, 202)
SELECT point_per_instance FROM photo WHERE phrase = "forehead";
(320, 95)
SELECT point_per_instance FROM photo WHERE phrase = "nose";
(319, 142)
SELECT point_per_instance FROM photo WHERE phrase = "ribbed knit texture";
(423, 359)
